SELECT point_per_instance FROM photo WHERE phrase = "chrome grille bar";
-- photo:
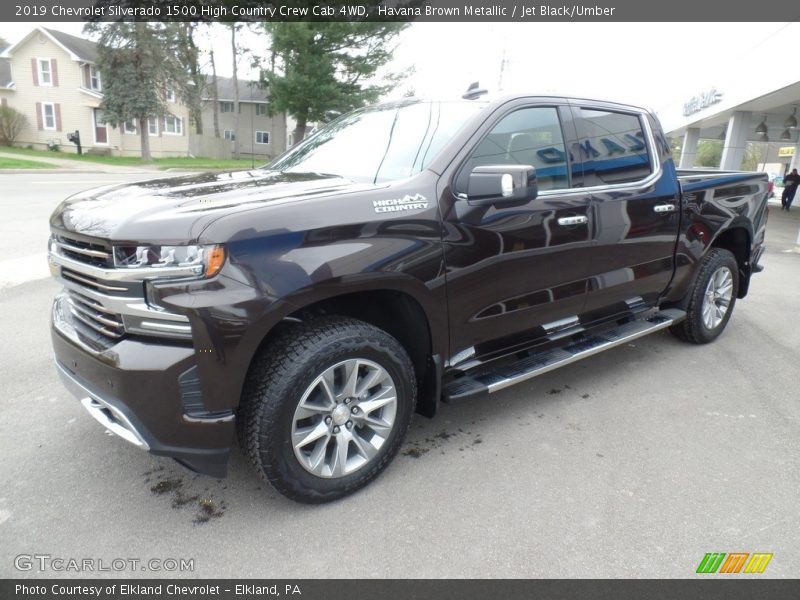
(69, 274)
(86, 251)
(99, 328)
(94, 316)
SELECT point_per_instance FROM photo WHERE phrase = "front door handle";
(664, 208)
(566, 221)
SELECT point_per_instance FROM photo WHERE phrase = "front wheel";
(326, 407)
(711, 299)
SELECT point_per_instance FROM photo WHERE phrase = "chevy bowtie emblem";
(415, 202)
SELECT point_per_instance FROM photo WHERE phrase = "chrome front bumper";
(105, 414)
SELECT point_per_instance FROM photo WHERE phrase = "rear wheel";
(326, 407)
(712, 298)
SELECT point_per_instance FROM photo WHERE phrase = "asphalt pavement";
(632, 463)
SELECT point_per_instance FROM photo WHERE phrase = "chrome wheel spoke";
(338, 465)
(326, 382)
(303, 437)
(373, 378)
(350, 377)
(383, 398)
(379, 426)
(365, 448)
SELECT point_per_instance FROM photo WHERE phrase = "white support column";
(689, 147)
(793, 164)
(735, 141)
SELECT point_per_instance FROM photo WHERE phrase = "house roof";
(78, 48)
(249, 91)
(84, 49)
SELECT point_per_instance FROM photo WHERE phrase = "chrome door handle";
(565, 221)
(664, 208)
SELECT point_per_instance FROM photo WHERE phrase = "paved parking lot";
(633, 463)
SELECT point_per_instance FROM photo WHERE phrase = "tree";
(235, 52)
(11, 123)
(324, 67)
(195, 83)
(755, 153)
(709, 153)
(141, 62)
(214, 93)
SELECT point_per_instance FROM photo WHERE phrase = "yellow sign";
(786, 151)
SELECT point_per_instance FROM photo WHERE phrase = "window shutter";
(54, 71)
(35, 71)
(58, 117)
(87, 79)
(39, 122)
(183, 126)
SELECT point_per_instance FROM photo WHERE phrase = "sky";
(654, 65)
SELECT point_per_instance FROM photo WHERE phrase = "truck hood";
(177, 209)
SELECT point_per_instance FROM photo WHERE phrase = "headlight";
(203, 261)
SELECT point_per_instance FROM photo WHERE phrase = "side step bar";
(548, 360)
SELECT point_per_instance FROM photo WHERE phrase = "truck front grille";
(104, 302)
(95, 316)
(92, 253)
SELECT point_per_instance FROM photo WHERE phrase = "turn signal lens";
(214, 260)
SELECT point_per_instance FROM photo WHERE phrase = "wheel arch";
(738, 241)
(395, 309)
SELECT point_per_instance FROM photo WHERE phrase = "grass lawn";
(15, 163)
(132, 161)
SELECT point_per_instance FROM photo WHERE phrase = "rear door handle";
(566, 221)
(664, 208)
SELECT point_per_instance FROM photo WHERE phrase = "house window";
(226, 107)
(94, 79)
(171, 93)
(262, 137)
(173, 125)
(130, 126)
(152, 126)
(48, 115)
(261, 110)
(230, 135)
(45, 72)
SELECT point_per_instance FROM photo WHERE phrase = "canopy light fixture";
(762, 127)
(791, 121)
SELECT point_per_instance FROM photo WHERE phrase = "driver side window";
(528, 136)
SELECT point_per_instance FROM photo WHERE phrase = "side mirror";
(502, 184)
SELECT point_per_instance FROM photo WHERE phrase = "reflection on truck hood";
(178, 209)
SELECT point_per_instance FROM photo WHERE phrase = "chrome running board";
(548, 360)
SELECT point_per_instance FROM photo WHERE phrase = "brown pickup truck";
(406, 254)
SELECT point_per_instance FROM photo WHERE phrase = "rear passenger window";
(613, 147)
(529, 136)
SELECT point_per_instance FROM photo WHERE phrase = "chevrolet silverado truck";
(407, 254)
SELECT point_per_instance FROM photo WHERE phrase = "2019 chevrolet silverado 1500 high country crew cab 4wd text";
(407, 253)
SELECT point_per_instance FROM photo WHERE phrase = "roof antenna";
(474, 91)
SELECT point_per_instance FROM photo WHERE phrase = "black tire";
(280, 376)
(694, 329)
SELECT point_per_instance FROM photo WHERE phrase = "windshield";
(381, 143)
